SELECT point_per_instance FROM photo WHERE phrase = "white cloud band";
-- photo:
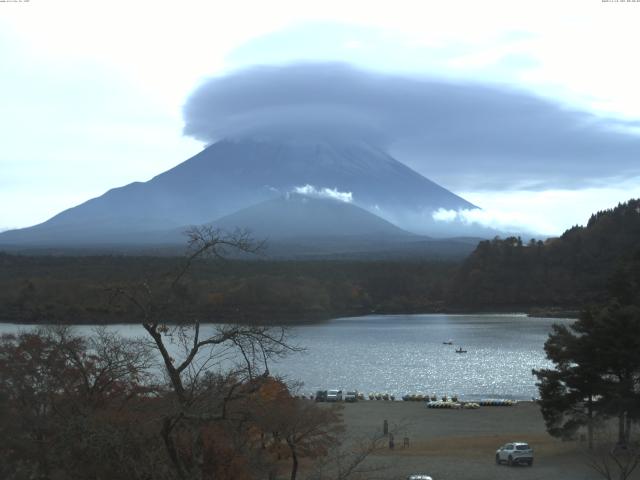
(325, 192)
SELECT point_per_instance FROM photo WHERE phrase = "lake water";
(403, 354)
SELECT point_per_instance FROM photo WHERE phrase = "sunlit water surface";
(403, 354)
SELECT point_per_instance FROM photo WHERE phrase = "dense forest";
(578, 268)
(43, 289)
(562, 274)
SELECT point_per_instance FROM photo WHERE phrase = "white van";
(334, 395)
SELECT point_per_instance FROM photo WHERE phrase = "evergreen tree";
(569, 393)
(596, 374)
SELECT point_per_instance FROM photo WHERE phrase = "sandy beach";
(461, 444)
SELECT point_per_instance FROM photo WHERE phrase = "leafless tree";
(209, 367)
(350, 460)
(611, 459)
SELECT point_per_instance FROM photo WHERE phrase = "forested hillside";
(578, 268)
(68, 289)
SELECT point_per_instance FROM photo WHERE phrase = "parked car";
(419, 476)
(334, 395)
(321, 396)
(351, 396)
(513, 453)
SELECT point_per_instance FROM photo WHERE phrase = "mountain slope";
(300, 216)
(232, 175)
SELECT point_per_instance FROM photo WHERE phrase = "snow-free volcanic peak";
(231, 175)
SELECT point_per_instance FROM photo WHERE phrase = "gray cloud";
(461, 131)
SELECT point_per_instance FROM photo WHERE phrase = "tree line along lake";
(404, 354)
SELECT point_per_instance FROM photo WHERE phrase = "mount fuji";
(232, 175)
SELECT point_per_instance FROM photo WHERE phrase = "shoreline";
(317, 319)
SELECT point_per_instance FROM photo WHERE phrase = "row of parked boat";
(419, 397)
(497, 402)
(453, 405)
(432, 400)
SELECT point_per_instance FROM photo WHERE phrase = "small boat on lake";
(460, 350)
(448, 342)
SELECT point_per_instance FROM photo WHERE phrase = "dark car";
(321, 396)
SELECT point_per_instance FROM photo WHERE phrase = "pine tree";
(596, 374)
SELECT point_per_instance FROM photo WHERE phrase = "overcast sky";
(92, 94)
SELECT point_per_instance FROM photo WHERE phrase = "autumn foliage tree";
(66, 405)
(295, 428)
(190, 400)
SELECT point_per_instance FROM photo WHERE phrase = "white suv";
(516, 452)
